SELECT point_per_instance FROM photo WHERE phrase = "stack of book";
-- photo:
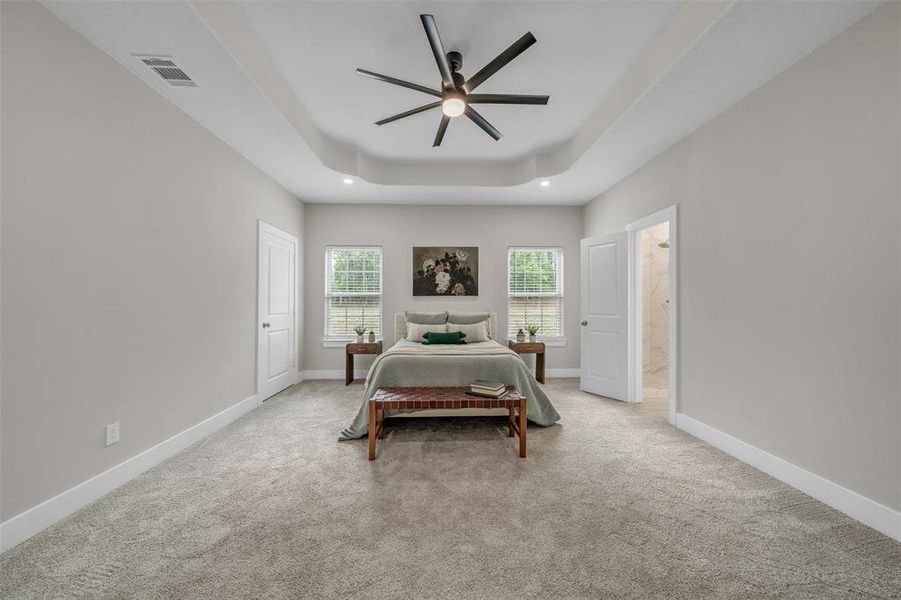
(490, 389)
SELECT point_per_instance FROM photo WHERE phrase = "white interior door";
(277, 350)
(605, 316)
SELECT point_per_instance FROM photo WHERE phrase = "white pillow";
(416, 332)
(477, 332)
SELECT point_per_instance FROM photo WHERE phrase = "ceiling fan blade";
(505, 99)
(442, 127)
(481, 122)
(412, 111)
(400, 82)
(431, 32)
(499, 61)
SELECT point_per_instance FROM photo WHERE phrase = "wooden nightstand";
(357, 348)
(536, 348)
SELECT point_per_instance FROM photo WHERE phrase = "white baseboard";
(869, 512)
(562, 373)
(34, 520)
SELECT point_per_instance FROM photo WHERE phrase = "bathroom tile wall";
(655, 311)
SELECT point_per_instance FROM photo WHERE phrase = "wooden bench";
(401, 398)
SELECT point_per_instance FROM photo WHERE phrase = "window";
(535, 290)
(353, 291)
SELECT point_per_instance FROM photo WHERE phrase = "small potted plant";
(520, 336)
(532, 329)
(371, 337)
(360, 330)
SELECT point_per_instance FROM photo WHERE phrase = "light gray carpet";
(611, 503)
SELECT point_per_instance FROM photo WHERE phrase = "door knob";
(265, 324)
(584, 323)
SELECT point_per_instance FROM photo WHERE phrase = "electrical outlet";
(112, 433)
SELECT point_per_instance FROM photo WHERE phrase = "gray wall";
(789, 259)
(398, 228)
(128, 262)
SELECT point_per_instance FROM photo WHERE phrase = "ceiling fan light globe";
(453, 107)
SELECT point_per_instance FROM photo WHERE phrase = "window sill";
(548, 342)
(341, 342)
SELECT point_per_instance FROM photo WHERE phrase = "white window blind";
(535, 290)
(353, 290)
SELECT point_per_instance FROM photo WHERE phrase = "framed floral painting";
(447, 271)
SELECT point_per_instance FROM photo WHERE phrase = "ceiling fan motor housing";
(456, 60)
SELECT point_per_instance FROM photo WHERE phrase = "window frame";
(550, 340)
(336, 340)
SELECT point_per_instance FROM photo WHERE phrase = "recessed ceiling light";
(544, 183)
(347, 181)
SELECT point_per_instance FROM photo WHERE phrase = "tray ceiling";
(275, 81)
(582, 51)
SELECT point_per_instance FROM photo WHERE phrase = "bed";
(408, 364)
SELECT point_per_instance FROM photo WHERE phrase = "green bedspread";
(408, 364)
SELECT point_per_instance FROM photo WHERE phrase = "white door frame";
(669, 214)
(272, 230)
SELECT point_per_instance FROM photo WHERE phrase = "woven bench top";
(441, 397)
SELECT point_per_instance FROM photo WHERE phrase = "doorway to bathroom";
(653, 282)
(653, 252)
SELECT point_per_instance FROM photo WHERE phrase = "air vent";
(165, 67)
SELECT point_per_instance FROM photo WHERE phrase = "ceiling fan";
(456, 97)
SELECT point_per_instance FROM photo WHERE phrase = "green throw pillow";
(454, 337)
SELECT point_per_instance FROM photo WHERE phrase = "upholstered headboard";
(400, 325)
